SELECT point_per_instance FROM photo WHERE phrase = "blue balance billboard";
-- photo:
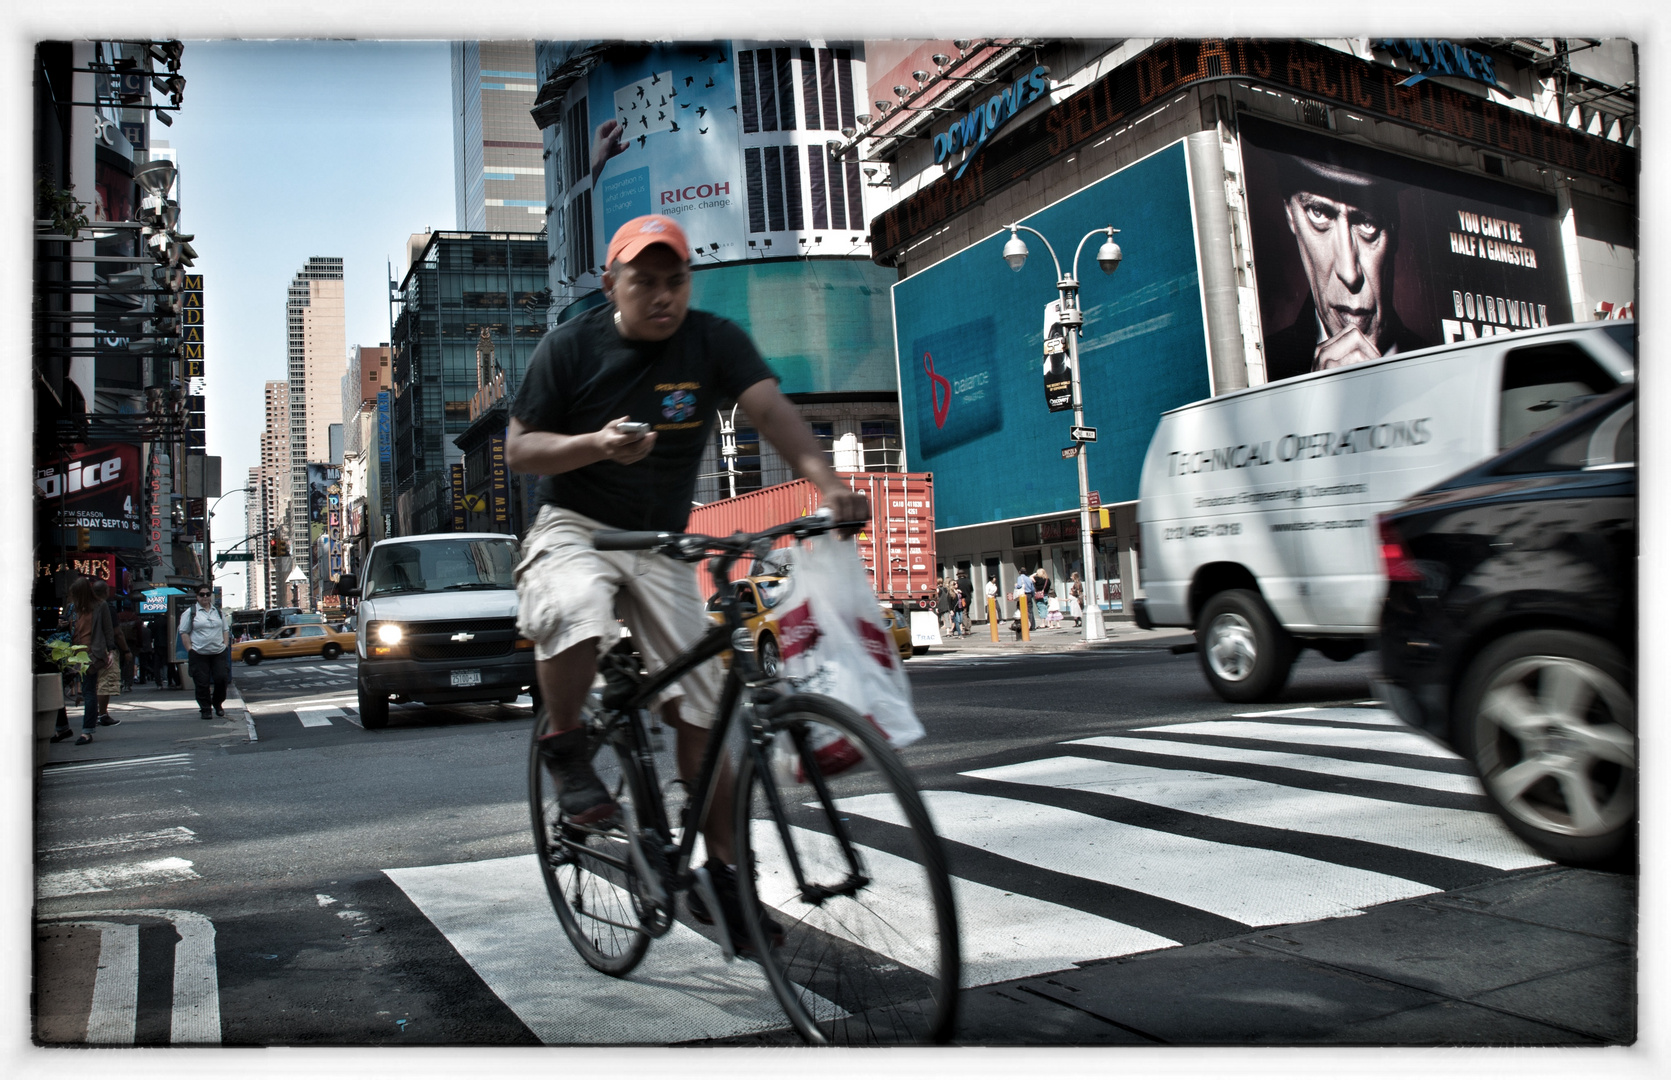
(969, 334)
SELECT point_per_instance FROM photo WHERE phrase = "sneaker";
(108, 721)
(581, 795)
(725, 884)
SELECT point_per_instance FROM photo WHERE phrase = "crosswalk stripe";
(177, 834)
(1254, 886)
(1005, 935)
(110, 878)
(316, 717)
(496, 914)
(1378, 717)
(1458, 783)
(1391, 741)
(1467, 835)
(125, 763)
(115, 1007)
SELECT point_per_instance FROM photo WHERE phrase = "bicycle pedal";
(704, 885)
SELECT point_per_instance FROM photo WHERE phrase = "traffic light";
(83, 538)
(283, 549)
(272, 549)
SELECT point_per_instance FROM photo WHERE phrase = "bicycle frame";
(717, 640)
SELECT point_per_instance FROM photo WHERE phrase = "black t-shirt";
(584, 374)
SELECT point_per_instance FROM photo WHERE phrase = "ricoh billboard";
(728, 139)
(1361, 254)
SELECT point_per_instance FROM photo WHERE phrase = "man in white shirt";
(204, 634)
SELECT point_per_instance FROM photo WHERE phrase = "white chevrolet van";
(1257, 509)
(437, 622)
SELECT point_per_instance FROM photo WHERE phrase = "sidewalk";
(153, 722)
(1122, 634)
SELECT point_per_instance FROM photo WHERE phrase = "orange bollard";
(1024, 610)
(992, 617)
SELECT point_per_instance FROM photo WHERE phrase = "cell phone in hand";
(633, 427)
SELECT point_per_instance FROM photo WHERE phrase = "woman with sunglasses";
(204, 633)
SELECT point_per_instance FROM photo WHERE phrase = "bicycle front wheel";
(588, 869)
(849, 867)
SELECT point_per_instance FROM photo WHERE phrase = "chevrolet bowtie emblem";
(464, 637)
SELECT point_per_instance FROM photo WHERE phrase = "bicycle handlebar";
(690, 547)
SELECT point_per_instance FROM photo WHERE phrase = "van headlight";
(384, 639)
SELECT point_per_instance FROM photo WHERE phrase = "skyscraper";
(318, 353)
(272, 493)
(498, 171)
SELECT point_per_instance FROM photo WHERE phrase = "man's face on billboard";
(1347, 253)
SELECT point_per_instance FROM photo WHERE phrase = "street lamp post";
(1071, 319)
(208, 553)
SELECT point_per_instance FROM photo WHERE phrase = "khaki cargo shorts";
(568, 592)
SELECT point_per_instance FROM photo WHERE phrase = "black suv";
(1509, 630)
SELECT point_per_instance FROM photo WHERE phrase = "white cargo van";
(1256, 510)
(437, 622)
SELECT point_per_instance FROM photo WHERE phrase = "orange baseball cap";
(640, 233)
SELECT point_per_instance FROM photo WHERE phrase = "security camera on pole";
(1071, 320)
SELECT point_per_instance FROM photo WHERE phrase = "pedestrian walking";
(991, 594)
(1076, 599)
(94, 628)
(127, 628)
(966, 589)
(943, 602)
(1024, 603)
(204, 632)
(1041, 588)
(111, 678)
(144, 651)
(1053, 609)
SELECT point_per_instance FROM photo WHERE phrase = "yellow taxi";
(759, 597)
(307, 639)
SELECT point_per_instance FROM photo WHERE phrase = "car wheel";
(252, 657)
(1549, 721)
(1245, 653)
(331, 650)
(771, 660)
(374, 708)
(920, 650)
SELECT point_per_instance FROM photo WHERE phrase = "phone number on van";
(1180, 532)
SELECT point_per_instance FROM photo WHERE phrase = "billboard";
(1363, 254)
(320, 479)
(95, 486)
(678, 152)
(969, 340)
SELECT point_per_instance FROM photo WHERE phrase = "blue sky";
(289, 150)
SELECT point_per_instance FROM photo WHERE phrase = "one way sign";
(1082, 434)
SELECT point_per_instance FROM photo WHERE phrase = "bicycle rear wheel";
(870, 949)
(588, 869)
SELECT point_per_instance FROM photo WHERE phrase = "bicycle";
(848, 863)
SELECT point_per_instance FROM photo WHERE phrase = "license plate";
(473, 677)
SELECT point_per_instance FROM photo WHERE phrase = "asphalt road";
(375, 887)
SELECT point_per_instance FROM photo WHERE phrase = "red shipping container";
(897, 550)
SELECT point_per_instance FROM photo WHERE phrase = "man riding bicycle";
(644, 358)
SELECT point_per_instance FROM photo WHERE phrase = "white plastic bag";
(833, 641)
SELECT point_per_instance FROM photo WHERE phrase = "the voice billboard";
(95, 486)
